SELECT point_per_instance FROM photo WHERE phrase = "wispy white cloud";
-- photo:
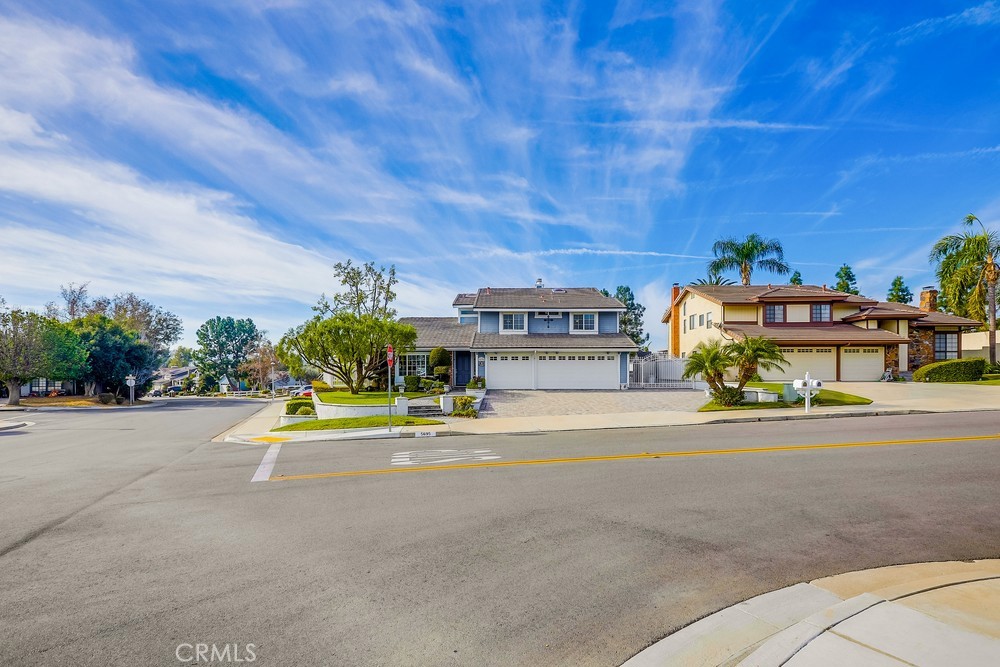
(985, 14)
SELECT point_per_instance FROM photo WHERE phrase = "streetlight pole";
(272, 381)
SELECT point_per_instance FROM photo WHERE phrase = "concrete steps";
(431, 410)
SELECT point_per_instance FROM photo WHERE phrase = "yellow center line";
(626, 457)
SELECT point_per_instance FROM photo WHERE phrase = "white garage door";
(509, 371)
(821, 362)
(578, 370)
(861, 363)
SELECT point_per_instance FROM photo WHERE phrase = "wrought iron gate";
(658, 370)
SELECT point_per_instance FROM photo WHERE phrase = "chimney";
(928, 299)
(824, 287)
(538, 284)
(487, 291)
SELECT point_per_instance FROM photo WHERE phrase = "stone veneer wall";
(921, 347)
(892, 358)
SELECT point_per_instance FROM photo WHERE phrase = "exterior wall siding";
(841, 310)
(742, 314)
(797, 312)
(489, 322)
(555, 326)
(607, 322)
(701, 332)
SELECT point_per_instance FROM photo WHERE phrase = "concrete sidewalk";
(929, 614)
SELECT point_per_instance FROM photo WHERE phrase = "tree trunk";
(745, 274)
(88, 388)
(13, 392)
(991, 303)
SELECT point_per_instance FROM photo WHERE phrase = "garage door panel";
(578, 370)
(820, 362)
(509, 371)
(860, 364)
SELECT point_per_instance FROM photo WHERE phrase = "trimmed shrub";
(952, 370)
(439, 357)
(441, 371)
(728, 396)
(411, 382)
(476, 383)
(305, 410)
(992, 369)
(106, 398)
(463, 407)
(319, 385)
(293, 405)
(120, 400)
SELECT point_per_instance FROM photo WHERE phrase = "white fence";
(657, 371)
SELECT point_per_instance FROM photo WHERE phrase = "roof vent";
(558, 290)
(539, 284)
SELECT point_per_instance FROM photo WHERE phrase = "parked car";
(301, 391)
(156, 392)
(173, 391)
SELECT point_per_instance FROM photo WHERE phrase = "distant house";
(831, 334)
(172, 376)
(527, 338)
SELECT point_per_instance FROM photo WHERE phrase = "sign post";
(391, 360)
(130, 381)
(807, 389)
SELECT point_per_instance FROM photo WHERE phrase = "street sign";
(390, 356)
(130, 382)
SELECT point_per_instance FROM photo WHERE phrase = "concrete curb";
(770, 629)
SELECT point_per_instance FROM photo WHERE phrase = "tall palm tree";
(753, 353)
(968, 272)
(753, 252)
(710, 360)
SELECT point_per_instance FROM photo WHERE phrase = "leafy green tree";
(348, 346)
(899, 292)
(796, 279)
(182, 356)
(630, 323)
(113, 352)
(711, 360)
(968, 272)
(22, 350)
(225, 344)
(752, 354)
(846, 280)
(261, 363)
(753, 252)
(439, 357)
(67, 358)
(156, 326)
(367, 291)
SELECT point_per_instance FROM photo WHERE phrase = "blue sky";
(218, 157)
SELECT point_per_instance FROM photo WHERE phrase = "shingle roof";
(617, 341)
(944, 319)
(754, 294)
(443, 332)
(545, 298)
(836, 333)
(921, 318)
(464, 300)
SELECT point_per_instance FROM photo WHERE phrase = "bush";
(305, 410)
(319, 385)
(120, 400)
(105, 398)
(293, 405)
(992, 369)
(439, 357)
(476, 383)
(441, 371)
(463, 407)
(728, 396)
(952, 370)
(411, 382)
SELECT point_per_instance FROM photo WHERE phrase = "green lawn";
(825, 397)
(993, 383)
(365, 398)
(374, 421)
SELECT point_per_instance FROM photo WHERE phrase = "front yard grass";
(366, 397)
(826, 397)
(375, 421)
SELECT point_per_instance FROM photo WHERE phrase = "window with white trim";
(513, 322)
(414, 364)
(708, 320)
(585, 322)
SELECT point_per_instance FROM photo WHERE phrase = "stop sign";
(390, 356)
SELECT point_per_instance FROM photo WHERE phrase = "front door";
(463, 368)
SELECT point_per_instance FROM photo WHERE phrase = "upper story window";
(513, 322)
(774, 312)
(691, 320)
(584, 322)
(708, 320)
(820, 312)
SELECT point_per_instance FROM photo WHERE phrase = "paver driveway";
(525, 403)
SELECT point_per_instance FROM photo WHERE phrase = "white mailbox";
(807, 388)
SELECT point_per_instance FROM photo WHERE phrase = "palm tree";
(714, 279)
(968, 272)
(753, 353)
(753, 252)
(710, 360)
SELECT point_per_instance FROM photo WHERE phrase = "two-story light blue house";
(528, 338)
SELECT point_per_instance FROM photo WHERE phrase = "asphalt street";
(127, 533)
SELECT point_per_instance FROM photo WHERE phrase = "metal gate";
(658, 370)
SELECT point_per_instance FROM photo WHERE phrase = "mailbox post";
(808, 388)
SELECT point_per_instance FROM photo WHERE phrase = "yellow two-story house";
(832, 335)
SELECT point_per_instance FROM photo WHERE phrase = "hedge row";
(952, 370)
(293, 405)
